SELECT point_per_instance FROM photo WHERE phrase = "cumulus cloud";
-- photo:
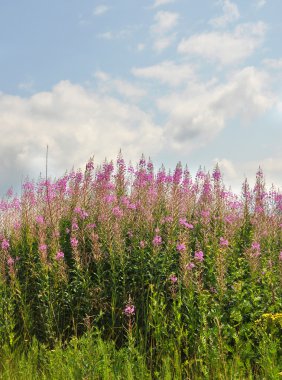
(167, 72)
(227, 167)
(165, 21)
(75, 123)
(230, 14)
(162, 28)
(273, 63)
(122, 87)
(159, 3)
(234, 172)
(260, 3)
(201, 111)
(100, 10)
(227, 47)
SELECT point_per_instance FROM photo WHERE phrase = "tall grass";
(127, 273)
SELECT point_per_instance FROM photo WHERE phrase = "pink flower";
(129, 310)
(83, 214)
(74, 242)
(183, 222)
(223, 242)
(157, 240)
(40, 219)
(10, 261)
(190, 266)
(142, 244)
(199, 256)
(43, 248)
(280, 256)
(205, 214)
(5, 244)
(117, 212)
(256, 246)
(181, 247)
(74, 227)
(60, 255)
(173, 279)
(91, 225)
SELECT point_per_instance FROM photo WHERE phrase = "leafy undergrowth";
(128, 273)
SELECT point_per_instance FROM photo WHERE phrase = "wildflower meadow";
(127, 272)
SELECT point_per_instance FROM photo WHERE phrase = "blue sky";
(195, 81)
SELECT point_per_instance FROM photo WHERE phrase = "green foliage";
(100, 280)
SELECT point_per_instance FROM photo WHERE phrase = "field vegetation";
(122, 272)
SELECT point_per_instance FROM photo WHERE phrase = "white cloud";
(260, 3)
(27, 86)
(235, 172)
(197, 114)
(106, 35)
(141, 47)
(164, 22)
(273, 63)
(163, 42)
(100, 10)
(159, 3)
(126, 89)
(167, 73)
(225, 48)
(227, 167)
(230, 14)
(76, 124)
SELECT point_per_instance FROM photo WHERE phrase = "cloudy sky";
(178, 80)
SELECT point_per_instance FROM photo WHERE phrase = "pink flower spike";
(157, 240)
(256, 246)
(74, 227)
(74, 242)
(10, 261)
(5, 244)
(40, 219)
(142, 244)
(60, 255)
(199, 256)
(173, 279)
(181, 247)
(129, 310)
(190, 266)
(43, 248)
(280, 256)
(223, 242)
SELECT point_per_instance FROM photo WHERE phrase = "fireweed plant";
(158, 274)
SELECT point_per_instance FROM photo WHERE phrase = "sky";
(178, 80)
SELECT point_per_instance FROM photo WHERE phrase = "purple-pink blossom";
(60, 255)
(256, 246)
(10, 261)
(142, 244)
(199, 256)
(205, 214)
(183, 222)
(129, 310)
(223, 242)
(181, 247)
(157, 240)
(74, 226)
(74, 242)
(40, 219)
(5, 244)
(43, 248)
(190, 266)
(117, 212)
(173, 278)
(280, 256)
